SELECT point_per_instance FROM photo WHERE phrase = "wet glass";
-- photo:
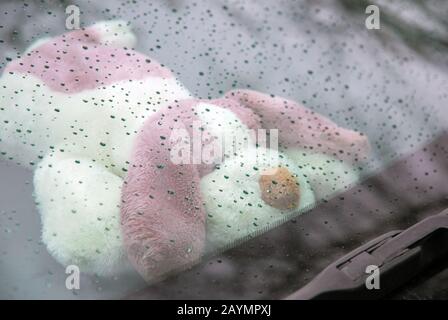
(102, 173)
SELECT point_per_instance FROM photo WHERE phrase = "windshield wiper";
(398, 255)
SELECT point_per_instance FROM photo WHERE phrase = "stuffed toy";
(129, 168)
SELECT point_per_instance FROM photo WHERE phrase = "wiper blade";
(398, 255)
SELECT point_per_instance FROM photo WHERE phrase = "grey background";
(390, 84)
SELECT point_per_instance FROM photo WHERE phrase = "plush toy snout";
(279, 188)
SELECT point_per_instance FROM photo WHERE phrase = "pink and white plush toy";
(111, 135)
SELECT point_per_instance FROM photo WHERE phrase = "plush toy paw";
(79, 204)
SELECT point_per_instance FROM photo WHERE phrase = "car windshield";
(212, 149)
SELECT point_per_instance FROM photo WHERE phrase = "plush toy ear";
(299, 127)
(162, 212)
(85, 59)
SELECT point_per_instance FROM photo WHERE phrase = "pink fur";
(163, 219)
(300, 127)
(77, 61)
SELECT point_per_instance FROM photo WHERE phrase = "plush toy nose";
(279, 188)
